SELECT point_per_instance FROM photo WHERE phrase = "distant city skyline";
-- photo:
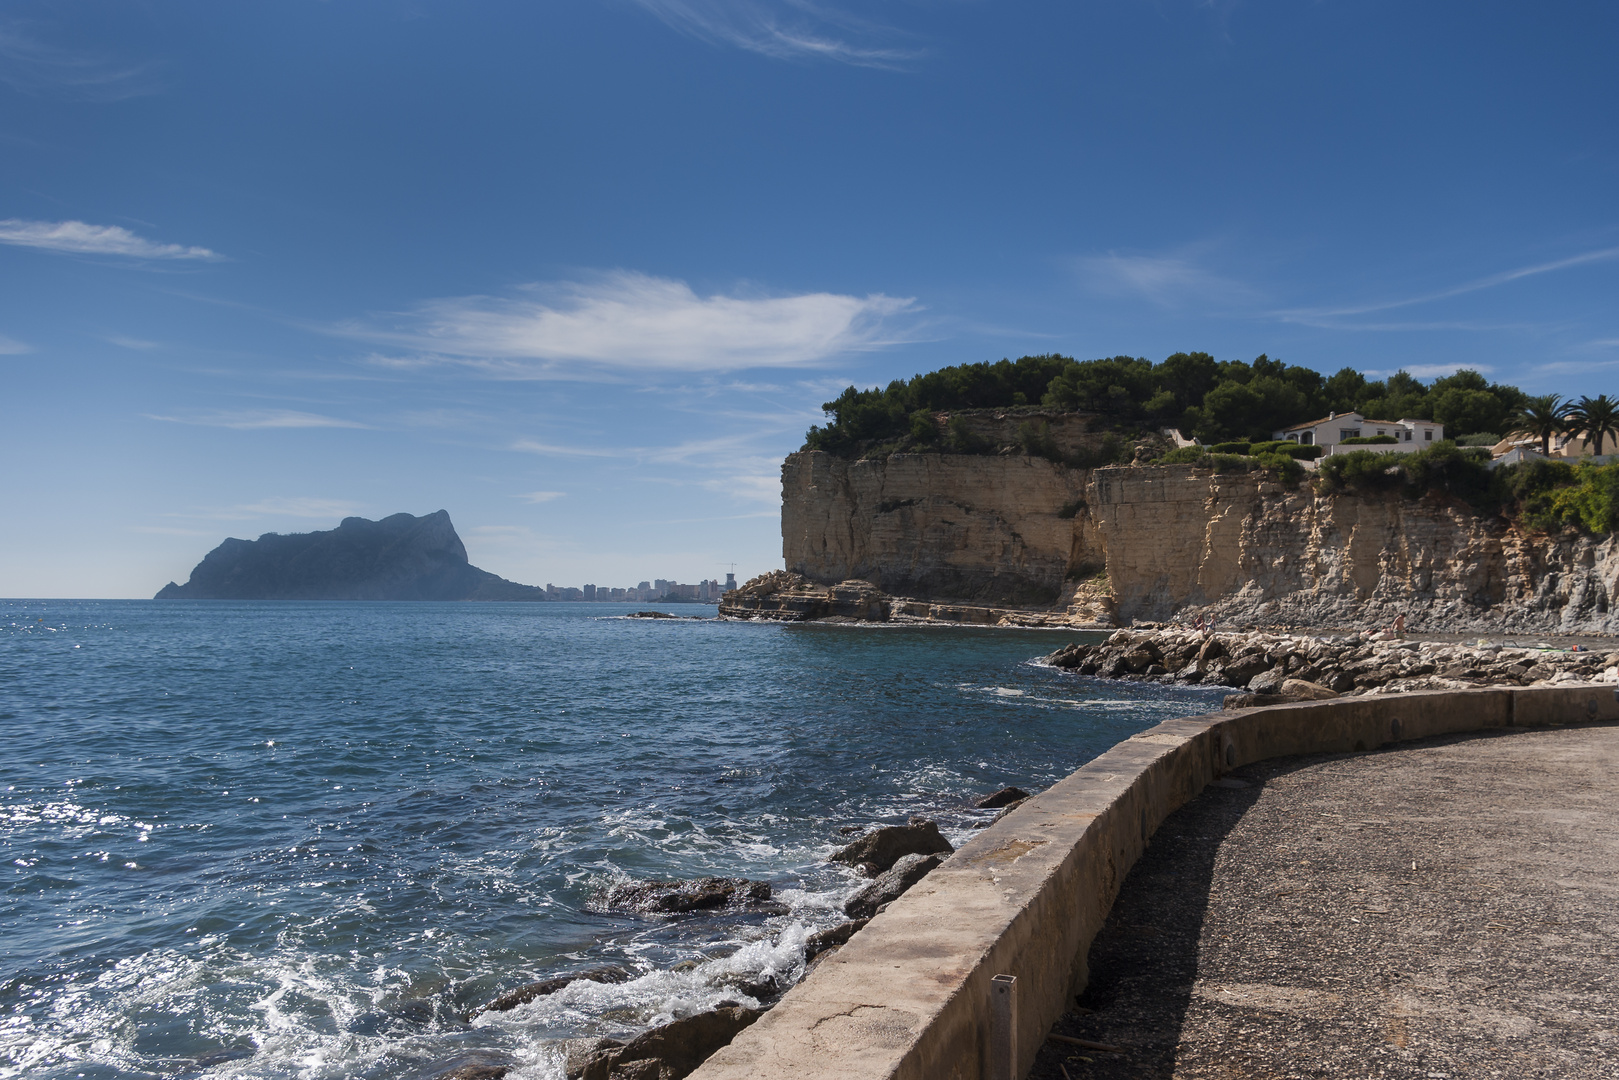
(706, 591)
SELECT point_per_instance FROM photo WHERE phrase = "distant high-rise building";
(730, 582)
(590, 592)
(644, 586)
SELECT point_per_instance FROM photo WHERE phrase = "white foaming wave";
(658, 997)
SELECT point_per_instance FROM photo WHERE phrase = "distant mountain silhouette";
(398, 558)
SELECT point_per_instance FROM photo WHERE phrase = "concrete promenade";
(1437, 910)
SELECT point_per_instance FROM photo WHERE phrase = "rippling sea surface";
(306, 839)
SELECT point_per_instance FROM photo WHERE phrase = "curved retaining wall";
(910, 995)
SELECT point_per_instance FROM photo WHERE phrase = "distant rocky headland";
(402, 557)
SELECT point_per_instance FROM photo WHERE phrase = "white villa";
(1332, 431)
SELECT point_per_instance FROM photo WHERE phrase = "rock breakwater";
(1277, 666)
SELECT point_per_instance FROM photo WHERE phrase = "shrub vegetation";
(1213, 401)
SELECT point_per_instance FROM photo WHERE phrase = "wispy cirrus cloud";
(788, 30)
(79, 238)
(1170, 281)
(34, 67)
(298, 506)
(138, 344)
(254, 419)
(634, 322)
(13, 347)
(1344, 317)
(541, 496)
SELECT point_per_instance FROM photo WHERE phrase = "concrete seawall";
(910, 995)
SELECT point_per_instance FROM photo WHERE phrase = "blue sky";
(581, 273)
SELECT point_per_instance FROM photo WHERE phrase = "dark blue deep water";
(303, 839)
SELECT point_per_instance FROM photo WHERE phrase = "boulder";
(834, 938)
(1140, 657)
(701, 894)
(1268, 682)
(1007, 809)
(527, 993)
(1301, 690)
(879, 850)
(1001, 798)
(1243, 668)
(670, 1052)
(576, 1053)
(890, 886)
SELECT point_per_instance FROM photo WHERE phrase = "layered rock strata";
(1036, 542)
(1290, 665)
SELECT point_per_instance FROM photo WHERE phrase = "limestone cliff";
(1164, 541)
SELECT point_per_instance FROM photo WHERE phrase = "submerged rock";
(670, 1052)
(891, 885)
(471, 1065)
(701, 894)
(878, 851)
(527, 993)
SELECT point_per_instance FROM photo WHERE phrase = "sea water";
(307, 839)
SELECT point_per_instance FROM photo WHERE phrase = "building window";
(1407, 434)
(1428, 435)
(1348, 433)
(1307, 438)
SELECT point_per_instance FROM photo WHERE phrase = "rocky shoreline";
(894, 857)
(780, 596)
(1275, 667)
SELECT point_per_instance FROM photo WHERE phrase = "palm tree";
(1596, 418)
(1542, 417)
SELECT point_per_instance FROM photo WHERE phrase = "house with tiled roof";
(1331, 432)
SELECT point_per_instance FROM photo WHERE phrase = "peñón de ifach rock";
(398, 558)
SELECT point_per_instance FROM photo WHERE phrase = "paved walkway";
(1445, 910)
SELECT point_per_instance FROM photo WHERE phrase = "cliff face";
(398, 558)
(949, 526)
(1171, 540)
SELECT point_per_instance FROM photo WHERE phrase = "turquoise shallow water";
(302, 839)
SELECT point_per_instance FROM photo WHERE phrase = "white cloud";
(786, 30)
(762, 487)
(252, 419)
(1168, 281)
(13, 347)
(1430, 371)
(78, 238)
(632, 321)
(33, 67)
(541, 496)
